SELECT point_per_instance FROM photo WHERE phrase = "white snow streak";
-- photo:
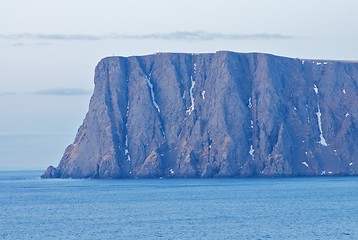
(127, 113)
(304, 163)
(322, 139)
(308, 114)
(191, 108)
(344, 91)
(250, 104)
(150, 85)
(347, 115)
(319, 114)
(126, 151)
(171, 171)
(351, 163)
(251, 152)
(203, 95)
(323, 173)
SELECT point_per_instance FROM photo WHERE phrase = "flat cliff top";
(224, 52)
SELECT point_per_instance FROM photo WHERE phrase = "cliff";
(217, 115)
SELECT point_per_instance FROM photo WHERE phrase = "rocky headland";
(221, 114)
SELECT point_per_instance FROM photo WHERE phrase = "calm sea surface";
(282, 208)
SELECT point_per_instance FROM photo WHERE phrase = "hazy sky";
(49, 49)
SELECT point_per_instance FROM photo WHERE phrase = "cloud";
(174, 36)
(53, 92)
(47, 37)
(63, 92)
(18, 44)
(7, 94)
(22, 44)
(203, 36)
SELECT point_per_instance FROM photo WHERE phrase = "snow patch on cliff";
(150, 85)
(192, 100)
(249, 105)
(126, 151)
(308, 114)
(305, 163)
(251, 152)
(322, 141)
(127, 113)
(203, 95)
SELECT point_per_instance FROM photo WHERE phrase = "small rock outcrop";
(223, 114)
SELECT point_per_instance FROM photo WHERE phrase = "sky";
(49, 49)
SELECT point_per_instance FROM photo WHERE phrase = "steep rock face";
(217, 115)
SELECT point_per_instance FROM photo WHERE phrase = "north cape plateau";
(222, 114)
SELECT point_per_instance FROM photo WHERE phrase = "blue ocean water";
(278, 208)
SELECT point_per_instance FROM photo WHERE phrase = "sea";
(254, 208)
